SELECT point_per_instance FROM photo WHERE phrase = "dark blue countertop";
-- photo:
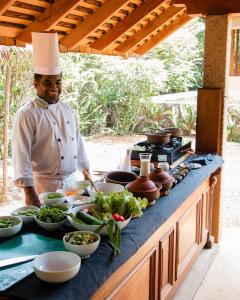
(98, 268)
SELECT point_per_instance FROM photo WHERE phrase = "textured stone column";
(215, 86)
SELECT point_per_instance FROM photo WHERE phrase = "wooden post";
(6, 125)
(211, 126)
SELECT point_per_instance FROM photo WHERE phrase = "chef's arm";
(31, 196)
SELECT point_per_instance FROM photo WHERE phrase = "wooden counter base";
(157, 269)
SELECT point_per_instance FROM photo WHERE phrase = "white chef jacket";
(47, 144)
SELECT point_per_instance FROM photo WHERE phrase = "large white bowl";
(57, 266)
(9, 231)
(25, 219)
(50, 226)
(82, 250)
(92, 228)
(43, 198)
(105, 187)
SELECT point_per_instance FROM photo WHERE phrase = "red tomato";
(118, 218)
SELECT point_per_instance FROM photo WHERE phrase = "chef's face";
(49, 87)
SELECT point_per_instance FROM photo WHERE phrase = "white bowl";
(92, 228)
(82, 250)
(25, 219)
(57, 266)
(9, 231)
(105, 187)
(50, 226)
(43, 198)
(77, 200)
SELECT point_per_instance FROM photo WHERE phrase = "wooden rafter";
(5, 4)
(147, 30)
(48, 19)
(126, 24)
(103, 13)
(156, 39)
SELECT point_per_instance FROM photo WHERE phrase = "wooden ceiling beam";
(126, 24)
(48, 19)
(156, 39)
(106, 11)
(210, 7)
(5, 4)
(147, 30)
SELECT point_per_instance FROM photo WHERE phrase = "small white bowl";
(43, 198)
(9, 231)
(57, 266)
(105, 187)
(73, 188)
(77, 200)
(25, 219)
(50, 226)
(92, 228)
(83, 251)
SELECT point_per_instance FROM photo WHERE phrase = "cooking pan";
(161, 137)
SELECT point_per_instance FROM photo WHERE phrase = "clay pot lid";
(160, 175)
(142, 184)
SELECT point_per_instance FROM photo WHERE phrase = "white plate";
(77, 200)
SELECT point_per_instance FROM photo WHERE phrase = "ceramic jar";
(144, 188)
(162, 179)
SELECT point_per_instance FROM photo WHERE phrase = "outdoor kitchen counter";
(156, 251)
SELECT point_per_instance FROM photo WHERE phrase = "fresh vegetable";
(6, 223)
(51, 214)
(54, 196)
(118, 218)
(123, 203)
(88, 219)
(77, 238)
(28, 212)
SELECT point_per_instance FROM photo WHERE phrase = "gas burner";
(162, 147)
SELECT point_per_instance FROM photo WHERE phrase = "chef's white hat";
(46, 53)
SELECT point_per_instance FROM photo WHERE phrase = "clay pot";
(144, 188)
(161, 137)
(120, 177)
(174, 131)
(162, 179)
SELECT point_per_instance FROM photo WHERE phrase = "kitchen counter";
(151, 247)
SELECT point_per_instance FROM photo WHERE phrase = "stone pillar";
(212, 99)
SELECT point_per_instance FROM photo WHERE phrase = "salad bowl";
(51, 218)
(101, 229)
(52, 197)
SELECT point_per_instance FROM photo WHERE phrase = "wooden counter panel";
(156, 270)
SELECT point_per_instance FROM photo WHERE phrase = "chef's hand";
(31, 196)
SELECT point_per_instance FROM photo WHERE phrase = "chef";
(47, 145)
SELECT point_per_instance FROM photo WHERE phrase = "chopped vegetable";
(77, 238)
(54, 196)
(6, 223)
(28, 212)
(51, 214)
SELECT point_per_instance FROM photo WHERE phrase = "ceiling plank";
(210, 7)
(127, 23)
(103, 13)
(9, 31)
(48, 19)
(156, 39)
(147, 30)
(5, 4)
